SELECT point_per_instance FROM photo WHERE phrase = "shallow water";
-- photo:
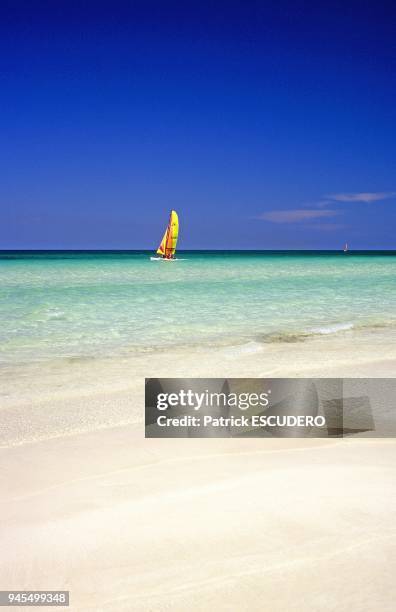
(67, 304)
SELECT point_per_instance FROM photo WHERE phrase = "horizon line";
(110, 250)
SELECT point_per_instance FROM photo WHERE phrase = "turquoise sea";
(65, 304)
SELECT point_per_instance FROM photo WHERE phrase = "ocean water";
(74, 304)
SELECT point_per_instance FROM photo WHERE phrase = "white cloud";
(296, 215)
(364, 196)
(319, 210)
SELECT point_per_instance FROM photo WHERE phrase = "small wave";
(331, 329)
(296, 336)
(287, 337)
(44, 315)
(55, 314)
(374, 325)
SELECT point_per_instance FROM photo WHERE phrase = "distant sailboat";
(346, 248)
(167, 247)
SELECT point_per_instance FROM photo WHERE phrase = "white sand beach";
(127, 523)
(131, 524)
(63, 397)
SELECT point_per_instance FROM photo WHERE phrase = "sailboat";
(167, 247)
(346, 248)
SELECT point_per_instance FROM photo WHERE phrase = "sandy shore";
(132, 524)
(65, 397)
(125, 523)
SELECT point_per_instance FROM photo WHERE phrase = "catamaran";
(167, 247)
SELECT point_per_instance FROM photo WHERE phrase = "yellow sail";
(167, 247)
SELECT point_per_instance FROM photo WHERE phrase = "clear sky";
(264, 124)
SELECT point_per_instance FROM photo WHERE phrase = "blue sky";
(264, 124)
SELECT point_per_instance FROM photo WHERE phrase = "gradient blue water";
(74, 304)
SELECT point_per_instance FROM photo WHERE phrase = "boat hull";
(164, 259)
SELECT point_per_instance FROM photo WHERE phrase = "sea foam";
(331, 329)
